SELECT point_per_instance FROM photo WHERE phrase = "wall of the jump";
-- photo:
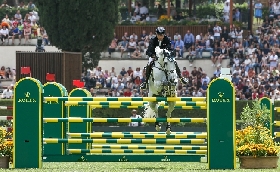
(8, 59)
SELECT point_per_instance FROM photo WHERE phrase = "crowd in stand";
(253, 59)
(22, 26)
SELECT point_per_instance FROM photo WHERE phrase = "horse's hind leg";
(154, 107)
(171, 106)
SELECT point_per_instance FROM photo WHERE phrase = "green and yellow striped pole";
(106, 120)
(135, 151)
(133, 132)
(149, 99)
(138, 136)
(165, 147)
(130, 103)
(125, 141)
(141, 107)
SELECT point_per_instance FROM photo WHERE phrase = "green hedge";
(12, 11)
(126, 113)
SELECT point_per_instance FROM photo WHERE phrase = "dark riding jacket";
(165, 44)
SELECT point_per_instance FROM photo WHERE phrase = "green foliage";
(72, 24)
(11, 12)
(216, 9)
(256, 116)
(255, 139)
(265, 12)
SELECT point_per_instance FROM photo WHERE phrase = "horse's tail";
(148, 112)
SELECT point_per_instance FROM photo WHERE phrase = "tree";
(71, 24)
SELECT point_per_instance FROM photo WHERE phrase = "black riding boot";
(178, 71)
(148, 73)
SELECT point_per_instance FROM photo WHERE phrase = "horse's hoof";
(168, 131)
(158, 126)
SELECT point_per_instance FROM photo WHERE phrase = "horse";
(162, 83)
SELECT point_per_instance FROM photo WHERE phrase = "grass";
(130, 166)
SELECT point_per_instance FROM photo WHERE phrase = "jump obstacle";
(50, 127)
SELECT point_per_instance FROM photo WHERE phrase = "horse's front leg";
(154, 107)
(171, 106)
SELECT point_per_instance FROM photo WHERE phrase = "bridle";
(166, 56)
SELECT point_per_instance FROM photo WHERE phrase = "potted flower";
(6, 148)
(255, 145)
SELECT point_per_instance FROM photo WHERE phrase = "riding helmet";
(160, 30)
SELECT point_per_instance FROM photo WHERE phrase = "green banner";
(266, 102)
(27, 123)
(221, 124)
(82, 111)
(54, 110)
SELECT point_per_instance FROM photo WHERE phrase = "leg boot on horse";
(148, 73)
(183, 79)
(168, 128)
(157, 126)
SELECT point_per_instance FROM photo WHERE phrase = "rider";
(163, 42)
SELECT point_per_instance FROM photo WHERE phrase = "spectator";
(123, 72)
(143, 38)
(237, 15)
(129, 71)
(216, 55)
(127, 93)
(176, 36)
(4, 33)
(8, 93)
(112, 47)
(112, 73)
(137, 72)
(4, 5)
(188, 40)
(134, 115)
(31, 6)
(218, 72)
(225, 33)
(21, 5)
(44, 34)
(217, 32)
(131, 46)
(27, 33)
(185, 73)
(134, 37)
(125, 36)
(16, 34)
(273, 60)
(146, 44)
(160, 11)
(179, 47)
(123, 46)
(136, 53)
(191, 55)
(201, 47)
